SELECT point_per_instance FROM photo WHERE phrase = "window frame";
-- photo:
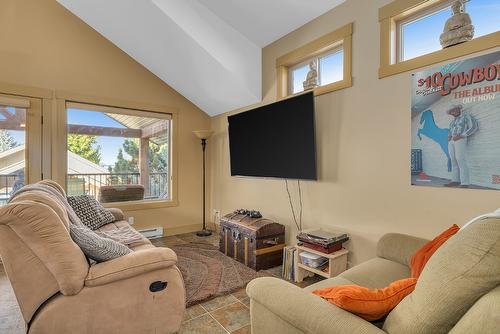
(59, 171)
(398, 12)
(290, 75)
(33, 146)
(330, 52)
(422, 14)
(340, 39)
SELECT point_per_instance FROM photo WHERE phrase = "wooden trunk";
(256, 242)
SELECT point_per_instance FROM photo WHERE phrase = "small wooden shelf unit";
(337, 263)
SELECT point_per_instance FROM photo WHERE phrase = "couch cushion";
(376, 273)
(90, 211)
(483, 317)
(457, 275)
(399, 247)
(304, 311)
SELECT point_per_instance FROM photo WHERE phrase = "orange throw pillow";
(369, 304)
(421, 256)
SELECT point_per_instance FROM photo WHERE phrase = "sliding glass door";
(20, 143)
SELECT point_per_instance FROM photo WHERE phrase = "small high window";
(411, 32)
(419, 33)
(329, 68)
(323, 65)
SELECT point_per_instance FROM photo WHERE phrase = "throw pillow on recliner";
(94, 246)
(462, 270)
(90, 211)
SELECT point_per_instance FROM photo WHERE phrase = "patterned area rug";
(209, 273)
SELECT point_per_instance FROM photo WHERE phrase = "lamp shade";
(203, 134)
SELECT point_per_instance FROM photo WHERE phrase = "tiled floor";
(224, 314)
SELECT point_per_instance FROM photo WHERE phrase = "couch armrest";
(399, 247)
(117, 213)
(305, 311)
(130, 265)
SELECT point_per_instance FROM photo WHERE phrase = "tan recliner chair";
(57, 290)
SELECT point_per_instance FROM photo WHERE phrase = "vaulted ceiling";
(207, 50)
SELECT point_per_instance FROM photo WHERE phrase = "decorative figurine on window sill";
(312, 76)
(458, 28)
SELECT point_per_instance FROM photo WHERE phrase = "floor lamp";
(203, 135)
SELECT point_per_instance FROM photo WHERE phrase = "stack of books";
(288, 270)
(322, 241)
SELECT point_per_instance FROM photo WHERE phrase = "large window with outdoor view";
(20, 143)
(12, 150)
(118, 155)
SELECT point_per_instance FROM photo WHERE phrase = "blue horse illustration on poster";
(435, 133)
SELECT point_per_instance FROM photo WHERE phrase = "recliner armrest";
(305, 311)
(117, 213)
(399, 247)
(130, 265)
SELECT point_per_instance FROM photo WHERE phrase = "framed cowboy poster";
(455, 124)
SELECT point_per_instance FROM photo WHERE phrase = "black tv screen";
(275, 140)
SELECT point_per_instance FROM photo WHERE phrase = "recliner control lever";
(157, 286)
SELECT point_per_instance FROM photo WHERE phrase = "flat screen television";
(276, 140)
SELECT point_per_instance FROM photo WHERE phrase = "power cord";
(298, 223)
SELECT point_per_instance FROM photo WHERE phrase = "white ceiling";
(264, 21)
(207, 50)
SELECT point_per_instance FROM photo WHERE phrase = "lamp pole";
(204, 232)
(203, 135)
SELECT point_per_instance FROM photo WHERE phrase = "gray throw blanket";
(94, 246)
(122, 234)
(54, 193)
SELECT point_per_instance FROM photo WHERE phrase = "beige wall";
(43, 45)
(363, 143)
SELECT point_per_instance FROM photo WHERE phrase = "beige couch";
(57, 290)
(458, 291)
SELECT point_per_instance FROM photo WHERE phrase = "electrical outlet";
(216, 216)
(131, 220)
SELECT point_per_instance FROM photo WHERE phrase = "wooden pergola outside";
(145, 129)
(13, 121)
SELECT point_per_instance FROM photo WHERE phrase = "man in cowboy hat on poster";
(462, 127)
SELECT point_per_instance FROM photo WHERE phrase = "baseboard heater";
(152, 233)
